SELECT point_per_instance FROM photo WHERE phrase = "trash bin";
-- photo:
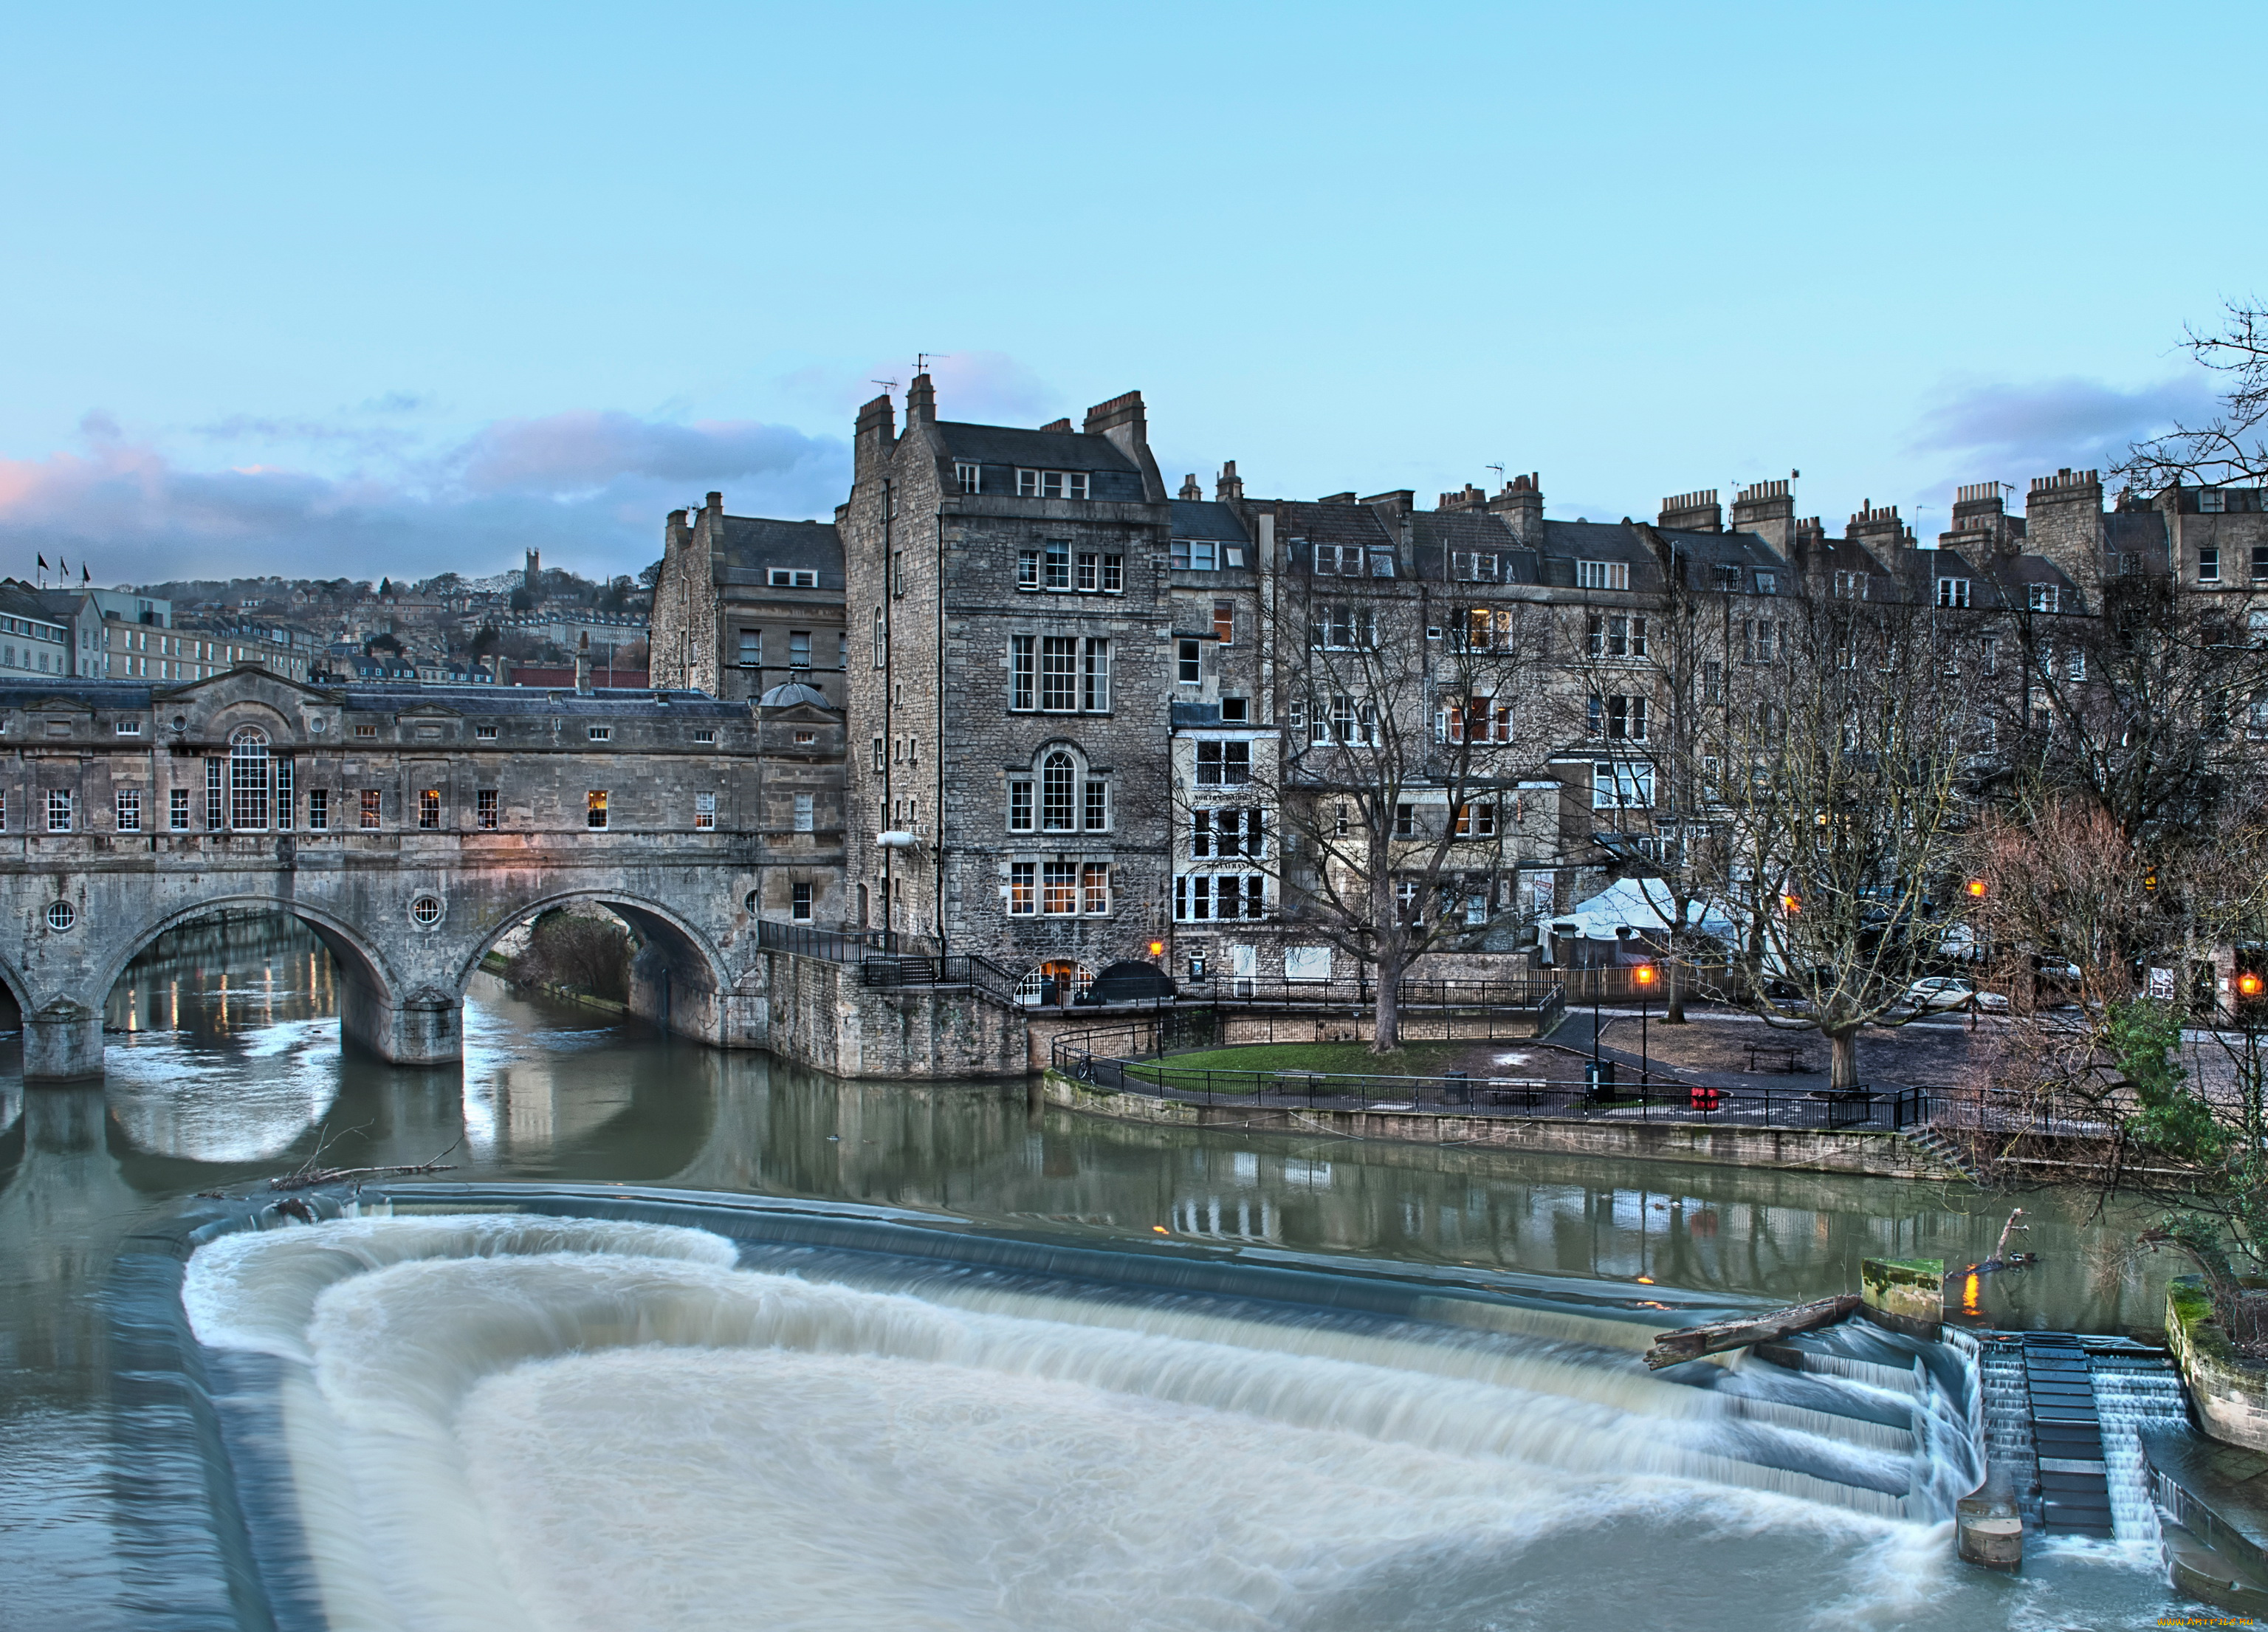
(1599, 1081)
(1456, 1087)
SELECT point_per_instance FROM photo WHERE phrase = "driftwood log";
(1675, 1348)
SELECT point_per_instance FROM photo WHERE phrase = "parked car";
(1953, 992)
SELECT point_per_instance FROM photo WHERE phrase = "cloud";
(588, 489)
(2026, 430)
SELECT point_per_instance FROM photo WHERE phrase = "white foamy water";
(505, 1423)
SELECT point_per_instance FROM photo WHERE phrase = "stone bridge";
(409, 828)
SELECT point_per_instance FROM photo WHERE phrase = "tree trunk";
(1672, 1013)
(1846, 1046)
(1386, 1014)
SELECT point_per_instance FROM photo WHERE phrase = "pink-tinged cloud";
(589, 489)
(2017, 432)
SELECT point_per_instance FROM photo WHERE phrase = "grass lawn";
(1332, 1059)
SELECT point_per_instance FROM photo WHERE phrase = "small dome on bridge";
(794, 694)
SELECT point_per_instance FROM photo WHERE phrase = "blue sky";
(328, 290)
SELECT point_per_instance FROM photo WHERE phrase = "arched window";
(250, 771)
(1056, 807)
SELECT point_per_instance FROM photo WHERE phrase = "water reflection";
(225, 1068)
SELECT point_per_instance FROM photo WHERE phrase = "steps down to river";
(2061, 1414)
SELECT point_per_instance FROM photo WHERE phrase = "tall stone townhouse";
(1073, 704)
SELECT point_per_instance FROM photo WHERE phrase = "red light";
(1977, 888)
(1790, 904)
(2249, 984)
(1157, 948)
(1644, 974)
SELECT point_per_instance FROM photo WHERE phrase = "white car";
(1953, 992)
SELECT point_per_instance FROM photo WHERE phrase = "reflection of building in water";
(531, 1108)
(232, 970)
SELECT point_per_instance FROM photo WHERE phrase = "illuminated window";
(594, 807)
(705, 812)
(428, 808)
(485, 814)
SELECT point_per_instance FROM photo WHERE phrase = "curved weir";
(506, 1407)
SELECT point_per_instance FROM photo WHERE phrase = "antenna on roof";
(888, 385)
(1497, 469)
(921, 360)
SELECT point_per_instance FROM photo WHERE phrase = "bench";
(1524, 1092)
(1790, 1058)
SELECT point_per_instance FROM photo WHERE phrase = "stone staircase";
(1943, 1152)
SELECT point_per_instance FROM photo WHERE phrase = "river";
(225, 1068)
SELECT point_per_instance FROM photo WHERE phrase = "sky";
(336, 291)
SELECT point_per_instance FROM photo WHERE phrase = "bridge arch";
(679, 980)
(371, 996)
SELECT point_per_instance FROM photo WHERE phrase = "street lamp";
(1645, 975)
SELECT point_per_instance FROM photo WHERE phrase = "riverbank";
(1864, 1152)
(497, 964)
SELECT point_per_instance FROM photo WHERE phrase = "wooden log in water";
(1674, 1347)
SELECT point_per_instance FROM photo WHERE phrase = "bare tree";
(2230, 445)
(1396, 794)
(1848, 745)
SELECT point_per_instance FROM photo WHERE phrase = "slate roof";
(794, 694)
(1439, 535)
(2138, 532)
(1331, 524)
(29, 691)
(751, 544)
(1034, 450)
(1202, 519)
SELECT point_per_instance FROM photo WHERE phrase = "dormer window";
(1477, 567)
(2043, 597)
(968, 477)
(1953, 592)
(793, 578)
(2211, 501)
(1051, 484)
(1602, 575)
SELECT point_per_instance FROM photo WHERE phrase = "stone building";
(745, 604)
(1013, 624)
(1085, 720)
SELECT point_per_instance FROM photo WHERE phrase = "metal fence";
(836, 946)
(1114, 1056)
(959, 970)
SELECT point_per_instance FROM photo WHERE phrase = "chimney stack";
(921, 402)
(1768, 509)
(1190, 491)
(1692, 513)
(583, 665)
(1521, 504)
(1230, 488)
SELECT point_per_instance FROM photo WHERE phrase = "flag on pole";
(84, 577)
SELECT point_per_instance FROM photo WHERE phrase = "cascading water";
(500, 1421)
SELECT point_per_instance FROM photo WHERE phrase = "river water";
(225, 1068)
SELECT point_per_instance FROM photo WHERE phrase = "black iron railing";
(1141, 1057)
(837, 946)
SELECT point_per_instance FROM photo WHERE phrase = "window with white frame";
(1621, 784)
(1953, 592)
(1051, 484)
(1224, 764)
(1095, 810)
(1204, 897)
(1851, 586)
(1342, 627)
(2208, 565)
(705, 813)
(1476, 820)
(1020, 804)
(1229, 831)
(1342, 561)
(130, 810)
(1381, 564)
(2211, 501)
(793, 578)
(1188, 662)
(1616, 634)
(1483, 628)
(798, 903)
(59, 810)
(1056, 807)
(968, 477)
(1473, 719)
(1474, 566)
(2042, 597)
(1767, 583)
(1602, 575)
(1194, 554)
(1760, 639)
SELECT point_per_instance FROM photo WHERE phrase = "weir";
(1269, 1429)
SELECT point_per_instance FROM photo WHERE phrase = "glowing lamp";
(2249, 984)
(1790, 904)
(1157, 948)
(1644, 974)
(1977, 888)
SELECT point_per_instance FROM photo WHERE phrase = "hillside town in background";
(524, 627)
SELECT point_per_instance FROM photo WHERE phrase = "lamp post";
(1645, 974)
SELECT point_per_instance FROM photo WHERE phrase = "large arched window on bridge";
(251, 773)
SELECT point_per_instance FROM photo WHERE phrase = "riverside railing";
(836, 946)
(1113, 1058)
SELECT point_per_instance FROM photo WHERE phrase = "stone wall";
(1876, 1155)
